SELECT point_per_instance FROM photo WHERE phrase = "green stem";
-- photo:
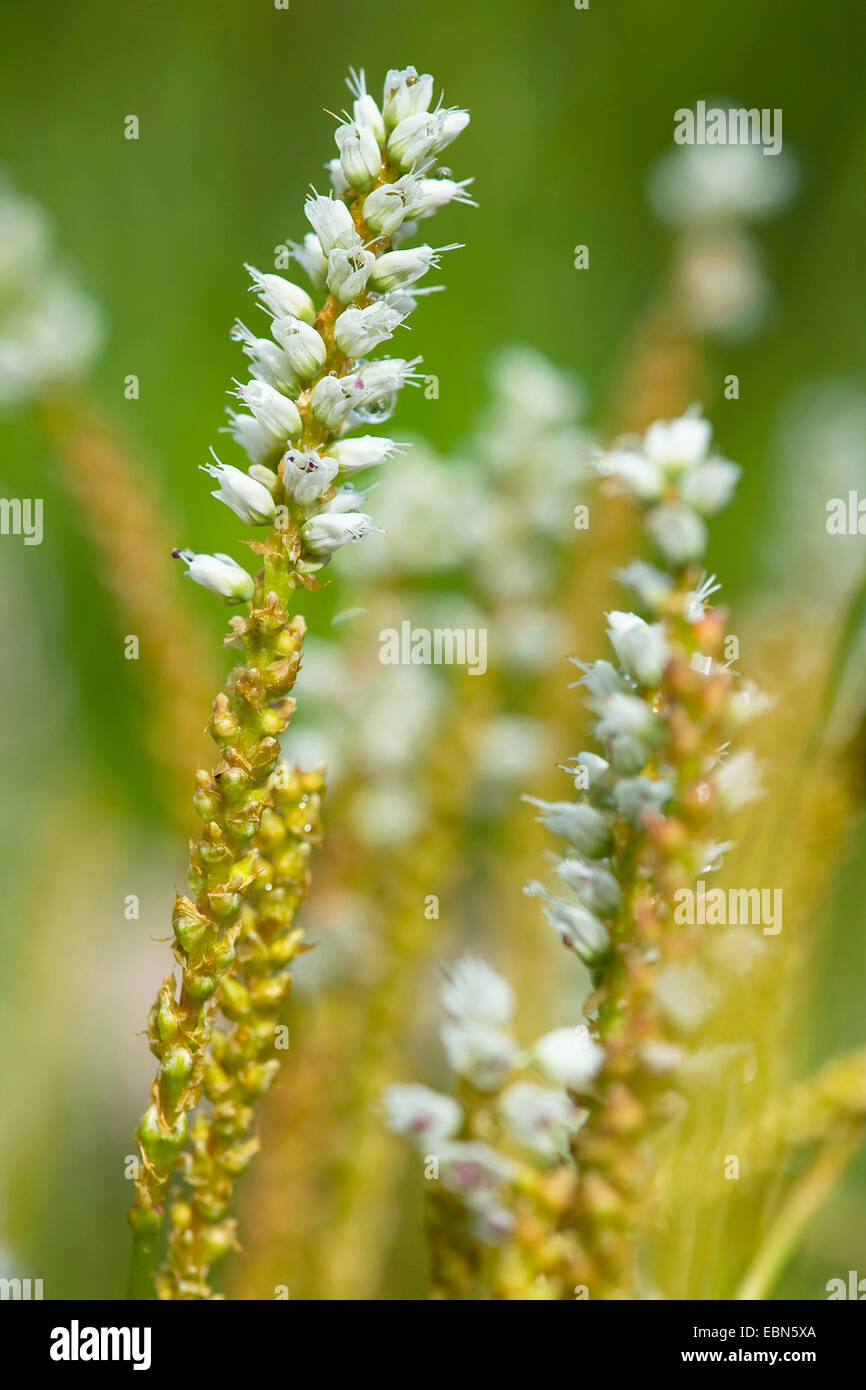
(796, 1212)
(142, 1260)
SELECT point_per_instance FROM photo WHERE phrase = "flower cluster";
(652, 796)
(494, 1156)
(312, 380)
(311, 383)
(654, 793)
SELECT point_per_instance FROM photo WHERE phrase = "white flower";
(576, 821)
(360, 156)
(635, 795)
(259, 444)
(624, 714)
(594, 885)
(433, 194)
(364, 108)
(641, 476)
(481, 1053)
(420, 1113)
(475, 991)
(538, 1116)
(405, 93)
(365, 451)
(601, 679)
(325, 533)
(414, 138)
(569, 1056)
(678, 531)
(339, 183)
(650, 586)
(310, 257)
(219, 573)
(346, 499)
(576, 926)
(304, 347)
(594, 766)
(306, 476)
(738, 780)
(711, 486)
(397, 269)
(387, 207)
(269, 362)
(453, 122)
(359, 331)
(274, 411)
(332, 222)
(248, 499)
(280, 296)
(641, 647)
(678, 444)
(329, 402)
(372, 382)
(472, 1170)
(348, 271)
(694, 602)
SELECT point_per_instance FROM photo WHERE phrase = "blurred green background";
(569, 109)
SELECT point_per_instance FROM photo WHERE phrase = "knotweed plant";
(653, 798)
(312, 385)
(422, 762)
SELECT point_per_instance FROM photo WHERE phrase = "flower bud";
(641, 647)
(274, 411)
(219, 573)
(710, 487)
(324, 534)
(348, 272)
(405, 93)
(578, 822)
(246, 497)
(332, 222)
(397, 269)
(302, 345)
(360, 156)
(281, 297)
(569, 1056)
(359, 331)
(433, 194)
(329, 402)
(161, 1144)
(366, 451)
(388, 206)
(189, 924)
(678, 531)
(306, 476)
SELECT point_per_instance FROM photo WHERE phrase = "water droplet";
(378, 411)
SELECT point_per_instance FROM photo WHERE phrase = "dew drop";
(378, 411)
